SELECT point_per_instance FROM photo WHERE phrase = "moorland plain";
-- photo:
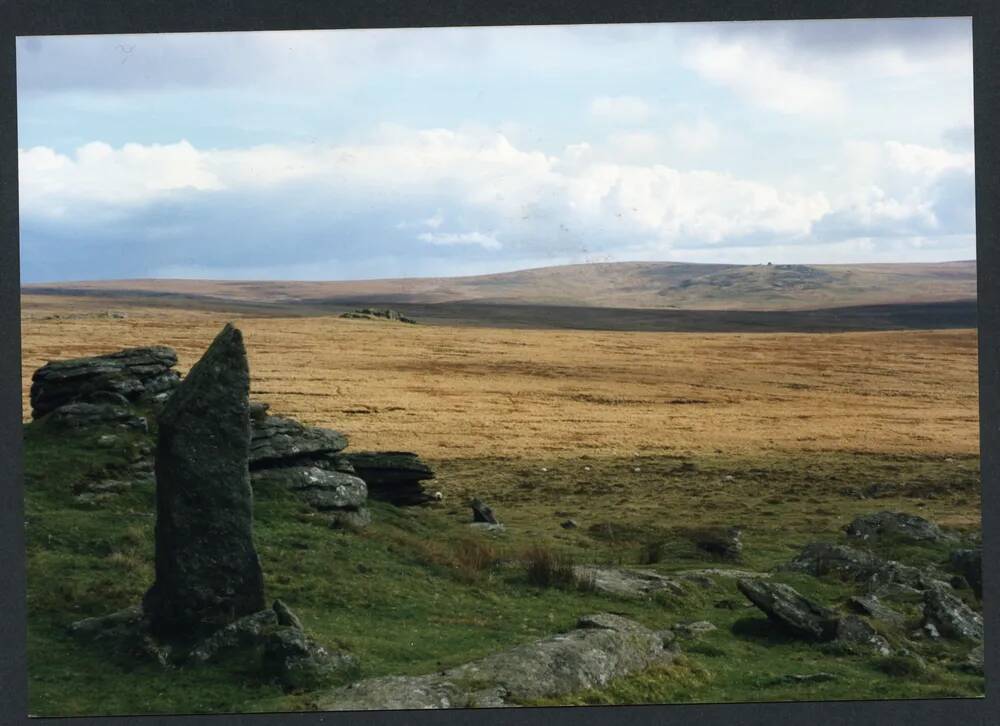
(635, 436)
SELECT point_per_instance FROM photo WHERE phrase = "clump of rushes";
(546, 568)
(473, 557)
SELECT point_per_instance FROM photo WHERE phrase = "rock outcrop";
(876, 574)
(857, 634)
(871, 606)
(791, 610)
(307, 461)
(378, 314)
(393, 476)
(85, 415)
(601, 648)
(132, 374)
(895, 525)
(482, 512)
(625, 582)
(950, 616)
(275, 640)
(207, 570)
(280, 441)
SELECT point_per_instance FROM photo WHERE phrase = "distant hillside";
(636, 285)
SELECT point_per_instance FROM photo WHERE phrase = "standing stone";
(207, 570)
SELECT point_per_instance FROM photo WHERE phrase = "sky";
(353, 154)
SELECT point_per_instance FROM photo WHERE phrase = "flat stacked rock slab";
(84, 415)
(132, 373)
(280, 441)
(307, 461)
(393, 476)
(323, 489)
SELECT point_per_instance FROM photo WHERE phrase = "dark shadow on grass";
(762, 630)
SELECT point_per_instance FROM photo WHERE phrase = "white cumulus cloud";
(488, 197)
(766, 78)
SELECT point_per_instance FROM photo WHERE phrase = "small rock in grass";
(300, 663)
(569, 524)
(285, 615)
(482, 512)
(694, 629)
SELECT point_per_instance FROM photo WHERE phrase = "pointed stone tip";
(229, 335)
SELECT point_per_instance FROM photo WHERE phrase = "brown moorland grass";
(457, 393)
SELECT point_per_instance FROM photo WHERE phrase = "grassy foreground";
(419, 591)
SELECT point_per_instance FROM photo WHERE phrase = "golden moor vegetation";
(452, 392)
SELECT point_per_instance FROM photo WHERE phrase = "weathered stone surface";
(877, 575)
(793, 611)
(207, 570)
(273, 641)
(393, 476)
(950, 616)
(285, 615)
(322, 489)
(89, 415)
(871, 606)
(625, 582)
(822, 558)
(300, 663)
(482, 512)
(107, 626)
(969, 564)
(601, 648)
(857, 634)
(131, 373)
(246, 632)
(280, 440)
(895, 525)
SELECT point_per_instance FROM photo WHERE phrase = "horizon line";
(492, 274)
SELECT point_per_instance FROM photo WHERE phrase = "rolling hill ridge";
(633, 285)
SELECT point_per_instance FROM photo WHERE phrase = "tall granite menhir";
(207, 570)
